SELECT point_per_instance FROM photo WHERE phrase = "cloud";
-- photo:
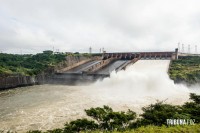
(116, 25)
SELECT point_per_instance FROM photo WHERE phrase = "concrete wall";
(74, 78)
(18, 81)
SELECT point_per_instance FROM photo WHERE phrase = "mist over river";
(46, 107)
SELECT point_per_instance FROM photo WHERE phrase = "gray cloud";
(116, 25)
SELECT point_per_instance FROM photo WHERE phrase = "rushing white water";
(50, 106)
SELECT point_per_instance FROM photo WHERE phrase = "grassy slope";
(185, 69)
(163, 129)
(148, 129)
(174, 129)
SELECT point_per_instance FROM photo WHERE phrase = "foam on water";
(146, 78)
(50, 106)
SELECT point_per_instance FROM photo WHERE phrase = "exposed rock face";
(17, 81)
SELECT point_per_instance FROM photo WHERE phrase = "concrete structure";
(142, 55)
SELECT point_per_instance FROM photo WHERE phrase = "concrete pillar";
(125, 56)
(130, 56)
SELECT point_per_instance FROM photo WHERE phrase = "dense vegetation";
(15, 64)
(153, 119)
(11, 64)
(186, 69)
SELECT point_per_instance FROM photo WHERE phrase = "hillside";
(12, 64)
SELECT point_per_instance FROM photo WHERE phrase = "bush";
(193, 108)
(110, 120)
(157, 114)
(80, 125)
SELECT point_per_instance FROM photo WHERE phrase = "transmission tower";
(182, 48)
(90, 50)
(189, 48)
(179, 46)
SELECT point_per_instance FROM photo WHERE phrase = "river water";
(46, 107)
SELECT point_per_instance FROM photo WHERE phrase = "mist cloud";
(116, 25)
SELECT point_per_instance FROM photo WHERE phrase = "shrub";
(110, 120)
(80, 125)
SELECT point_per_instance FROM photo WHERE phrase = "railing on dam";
(144, 55)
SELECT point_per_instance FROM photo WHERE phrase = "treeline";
(28, 64)
(185, 69)
(156, 115)
(11, 64)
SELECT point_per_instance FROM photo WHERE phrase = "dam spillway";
(98, 68)
(83, 67)
(112, 67)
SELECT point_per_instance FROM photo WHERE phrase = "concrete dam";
(98, 68)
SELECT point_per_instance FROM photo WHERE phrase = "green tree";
(80, 125)
(110, 120)
(193, 108)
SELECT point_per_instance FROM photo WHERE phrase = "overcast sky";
(32, 26)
